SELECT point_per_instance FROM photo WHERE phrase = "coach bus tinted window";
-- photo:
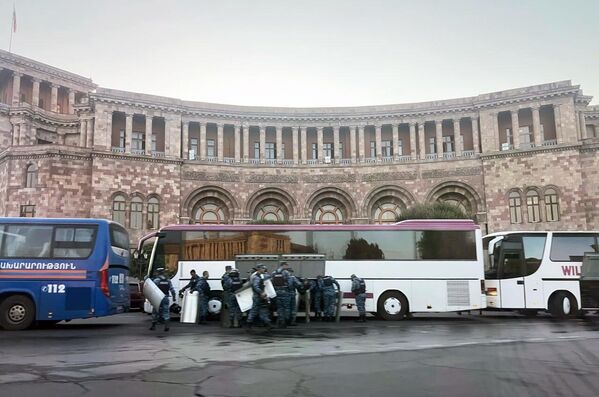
(74, 242)
(27, 241)
(571, 247)
(168, 251)
(533, 252)
(446, 245)
(119, 237)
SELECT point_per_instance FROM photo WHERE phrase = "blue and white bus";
(61, 269)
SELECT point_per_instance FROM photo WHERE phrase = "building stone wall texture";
(201, 162)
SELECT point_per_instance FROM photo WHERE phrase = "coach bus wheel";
(563, 305)
(17, 312)
(392, 306)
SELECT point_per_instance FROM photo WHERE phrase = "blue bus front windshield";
(70, 268)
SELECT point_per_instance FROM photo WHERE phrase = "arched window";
(31, 176)
(119, 205)
(271, 211)
(210, 212)
(328, 213)
(386, 211)
(136, 213)
(551, 205)
(532, 206)
(457, 200)
(153, 213)
(515, 203)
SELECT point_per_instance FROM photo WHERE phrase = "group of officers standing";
(323, 291)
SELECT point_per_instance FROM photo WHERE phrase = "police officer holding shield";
(231, 284)
(161, 314)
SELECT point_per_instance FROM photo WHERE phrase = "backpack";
(328, 281)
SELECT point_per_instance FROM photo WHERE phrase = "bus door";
(511, 273)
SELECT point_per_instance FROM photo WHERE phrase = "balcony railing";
(468, 153)
(229, 160)
(370, 160)
(157, 154)
(430, 156)
(449, 155)
(138, 151)
(211, 159)
(344, 161)
(387, 159)
(550, 142)
(116, 149)
(287, 162)
(312, 161)
(404, 159)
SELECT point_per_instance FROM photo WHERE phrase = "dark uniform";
(327, 286)
(295, 286)
(260, 299)
(358, 288)
(193, 282)
(161, 314)
(231, 285)
(316, 296)
(280, 281)
(203, 289)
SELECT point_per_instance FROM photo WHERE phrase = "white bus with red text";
(412, 266)
(538, 270)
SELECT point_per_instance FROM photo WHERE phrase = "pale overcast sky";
(312, 53)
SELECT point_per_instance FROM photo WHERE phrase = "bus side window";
(534, 246)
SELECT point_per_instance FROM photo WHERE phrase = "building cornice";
(530, 152)
(29, 64)
(43, 116)
(334, 115)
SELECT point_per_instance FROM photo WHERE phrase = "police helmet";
(260, 266)
(234, 272)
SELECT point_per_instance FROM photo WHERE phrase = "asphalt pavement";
(496, 354)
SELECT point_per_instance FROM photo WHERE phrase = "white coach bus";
(532, 271)
(412, 266)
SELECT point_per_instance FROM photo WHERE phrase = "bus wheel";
(17, 312)
(563, 305)
(392, 306)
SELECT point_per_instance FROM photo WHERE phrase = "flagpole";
(12, 26)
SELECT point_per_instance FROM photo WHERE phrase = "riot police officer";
(358, 288)
(193, 281)
(260, 299)
(203, 289)
(327, 285)
(232, 283)
(280, 281)
(161, 314)
(316, 295)
(295, 286)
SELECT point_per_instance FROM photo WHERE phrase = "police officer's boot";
(203, 320)
(153, 327)
(166, 327)
(281, 323)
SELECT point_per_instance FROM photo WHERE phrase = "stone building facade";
(523, 158)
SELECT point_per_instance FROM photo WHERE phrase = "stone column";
(184, 140)
(395, 140)
(361, 142)
(295, 144)
(475, 143)
(421, 140)
(202, 154)
(319, 142)
(106, 131)
(515, 129)
(377, 139)
(89, 132)
(413, 140)
(279, 143)
(352, 143)
(336, 144)
(35, 97)
(237, 132)
(16, 134)
(16, 88)
(54, 99)
(262, 144)
(148, 137)
(457, 138)
(536, 122)
(246, 143)
(583, 125)
(128, 132)
(220, 141)
(439, 138)
(71, 109)
(304, 133)
(82, 132)
(557, 117)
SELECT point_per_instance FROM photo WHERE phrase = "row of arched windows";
(536, 208)
(133, 211)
